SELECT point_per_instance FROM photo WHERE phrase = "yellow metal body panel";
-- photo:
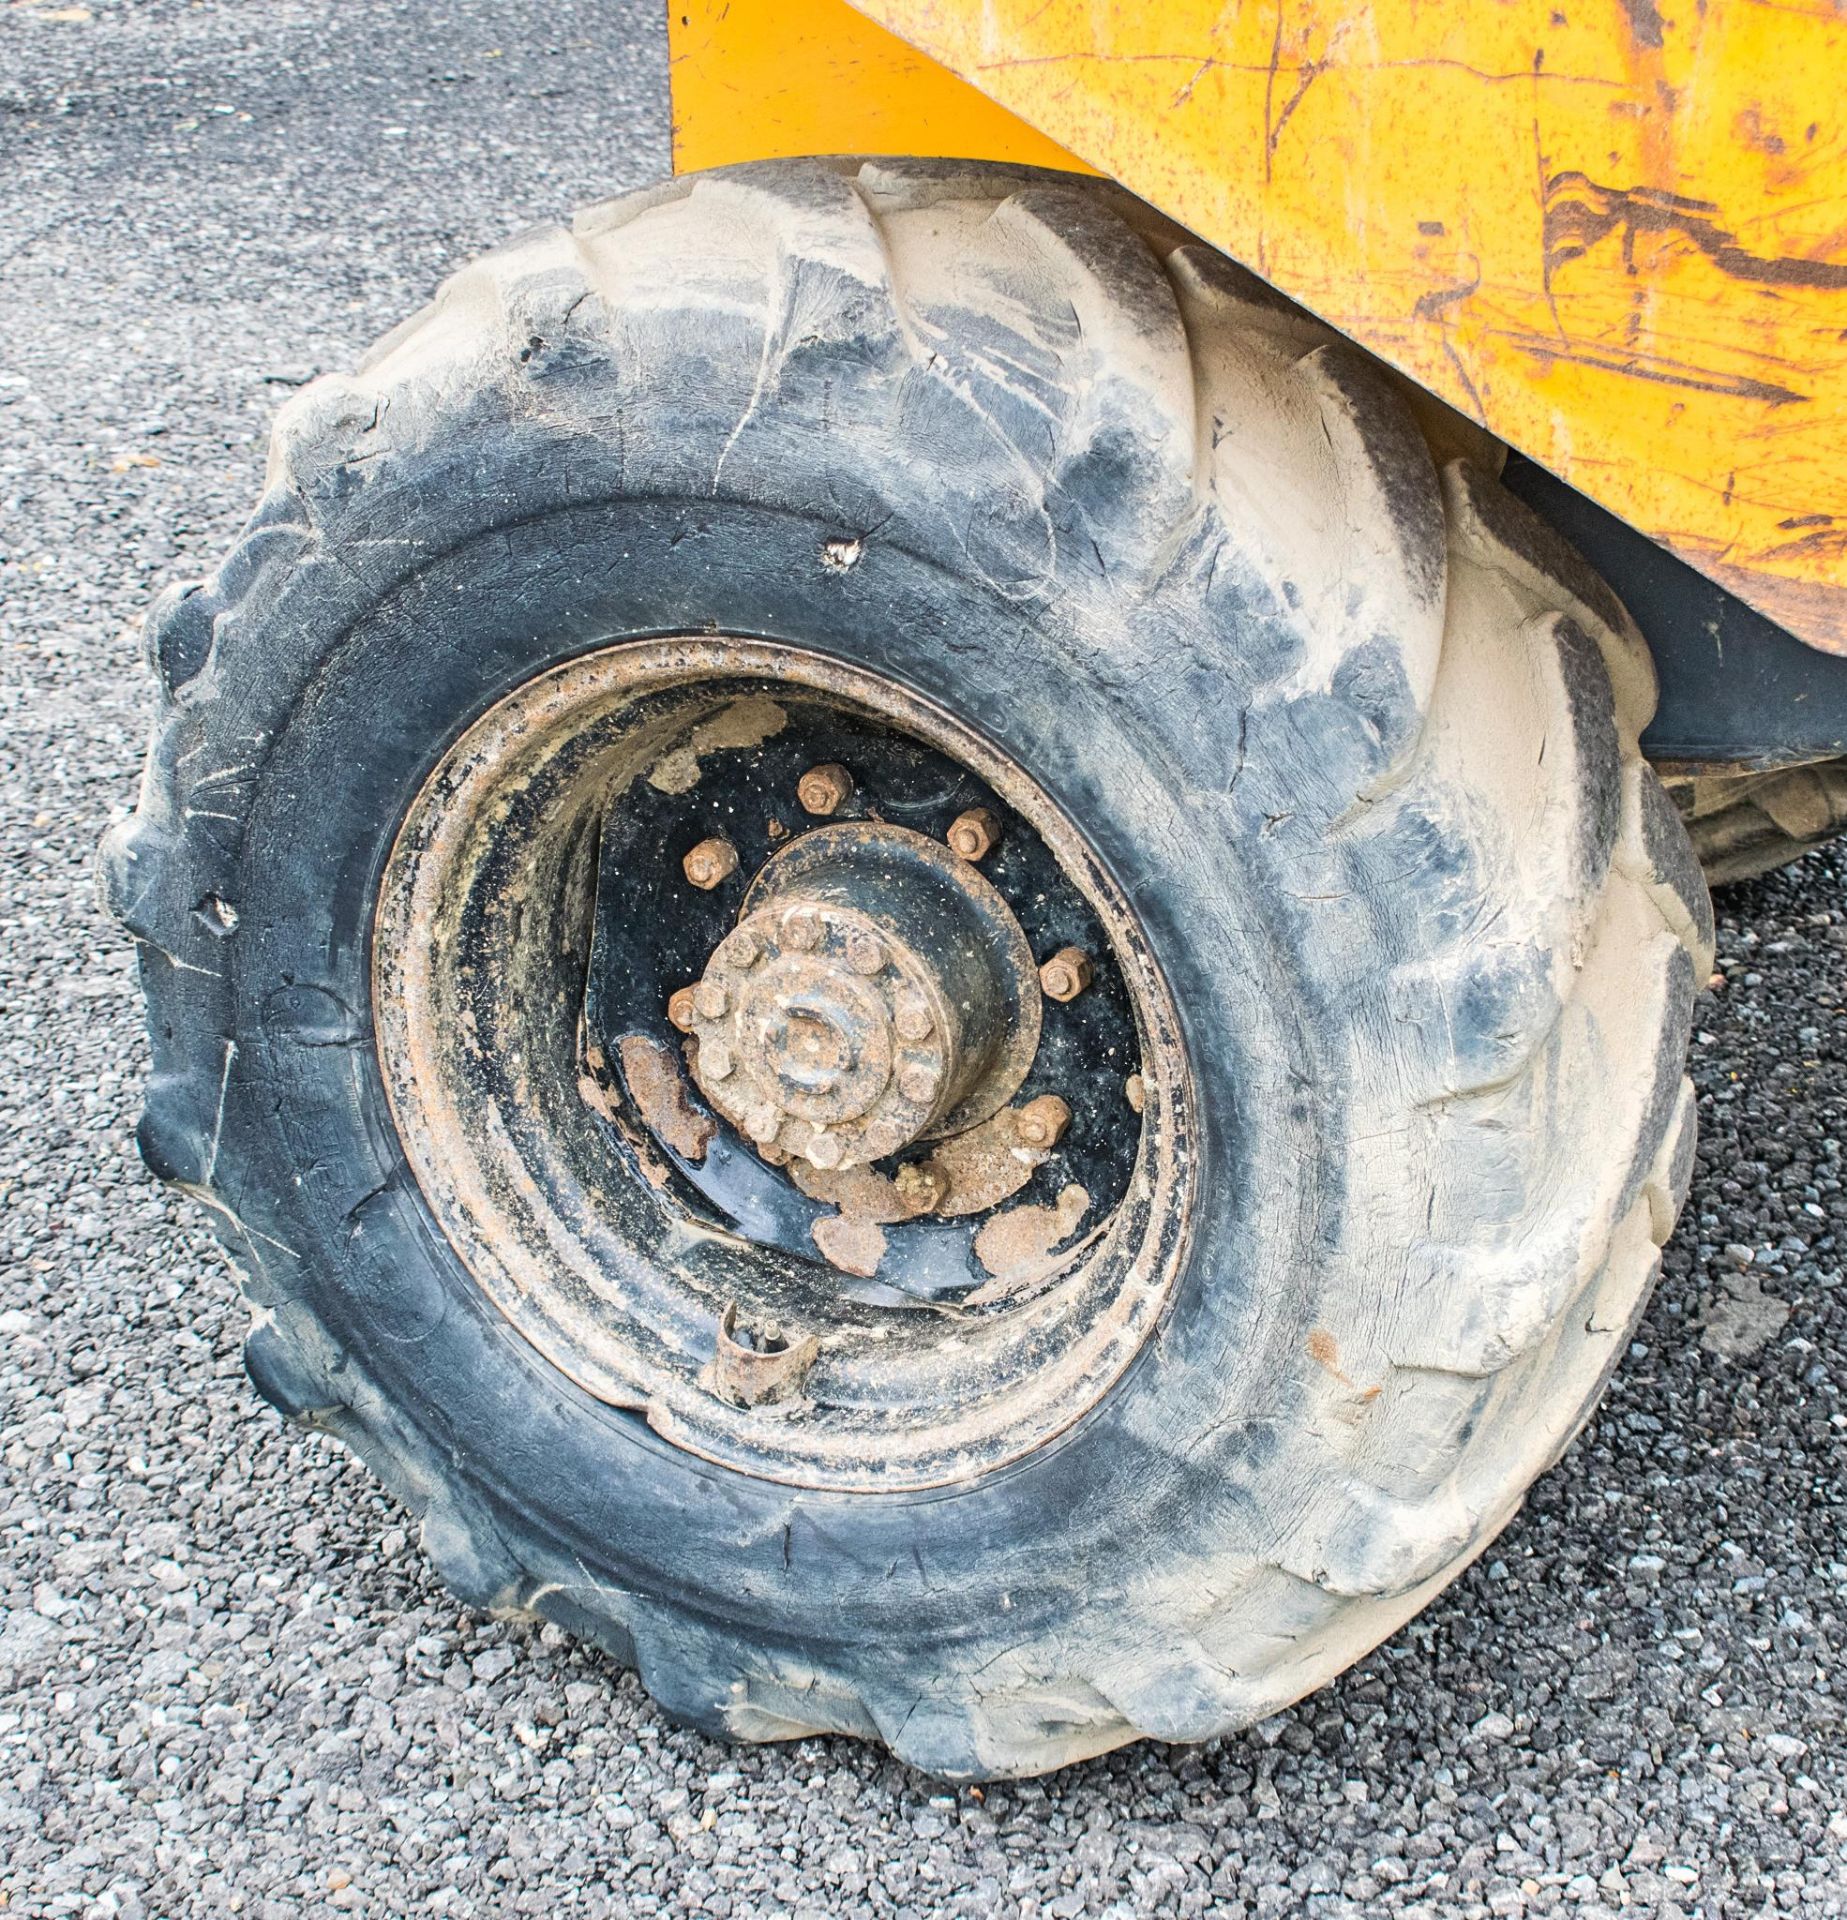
(1615, 236)
(768, 79)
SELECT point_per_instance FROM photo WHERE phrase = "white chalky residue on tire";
(1383, 689)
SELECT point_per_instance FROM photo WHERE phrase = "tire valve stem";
(1066, 974)
(825, 789)
(755, 1365)
(974, 834)
(710, 863)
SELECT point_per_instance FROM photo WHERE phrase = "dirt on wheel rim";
(559, 1130)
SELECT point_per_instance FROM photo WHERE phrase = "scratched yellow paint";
(764, 79)
(1616, 234)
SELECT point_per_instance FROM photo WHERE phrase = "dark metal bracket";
(1736, 689)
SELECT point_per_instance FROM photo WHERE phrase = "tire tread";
(1144, 369)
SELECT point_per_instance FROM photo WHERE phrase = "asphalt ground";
(228, 1682)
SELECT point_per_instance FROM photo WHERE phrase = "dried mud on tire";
(1355, 732)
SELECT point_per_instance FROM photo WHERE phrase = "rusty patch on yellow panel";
(1615, 238)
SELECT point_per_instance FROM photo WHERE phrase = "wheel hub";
(875, 991)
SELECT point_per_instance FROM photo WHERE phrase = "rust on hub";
(819, 1065)
(876, 991)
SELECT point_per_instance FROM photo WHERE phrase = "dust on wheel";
(917, 958)
(874, 1110)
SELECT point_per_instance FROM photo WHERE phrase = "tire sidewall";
(1157, 1479)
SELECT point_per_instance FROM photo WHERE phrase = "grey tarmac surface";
(228, 1683)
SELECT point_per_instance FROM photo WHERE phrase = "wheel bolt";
(920, 1186)
(824, 789)
(801, 931)
(763, 1123)
(1066, 974)
(824, 1151)
(865, 953)
(974, 834)
(914, 1021)
(715, 1060)
(918, 1084)
(709, 863)
(680, 1008)
(1042, 1122)
(710, 1000)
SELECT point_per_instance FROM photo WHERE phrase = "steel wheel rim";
(598, 1262)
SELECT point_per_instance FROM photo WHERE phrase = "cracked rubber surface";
(1361, 744)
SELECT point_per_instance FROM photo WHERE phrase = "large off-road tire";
(1746, 824)
(1346, 734)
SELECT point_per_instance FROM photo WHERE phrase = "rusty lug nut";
(709, 863)
(919, 1083)
(865, 953)
(914, 1021)
(824, 1151)
(715, 1061)
(974, 834)
(824, 789)
(710, 1000)
(1042, 1122)
(680, 1008)
(1066, 974)
(920, 1186)
(801, 931)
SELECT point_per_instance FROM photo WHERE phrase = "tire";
(1356, 736)
(1746, 824)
